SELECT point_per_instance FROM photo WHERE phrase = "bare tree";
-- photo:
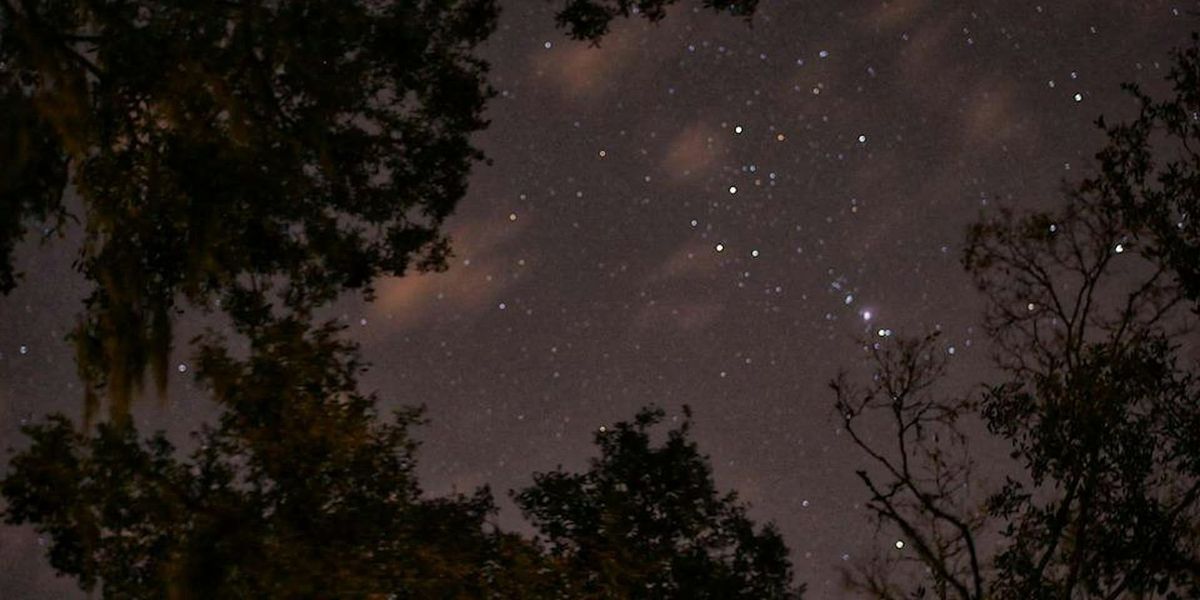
(920, 485)
(1090, 309)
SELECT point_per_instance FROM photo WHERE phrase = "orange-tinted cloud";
(692, 150)
(689, 260)
(899, 13)
(991, 116)
(927, 51)
(479, 274)
(582, 70)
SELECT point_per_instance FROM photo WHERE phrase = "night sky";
(699, 212)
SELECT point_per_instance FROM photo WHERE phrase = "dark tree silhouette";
(1090, 312)
(32, 174)
(219, 149)
(590, 19)
(646, 521)
(300, 490)
(1100, 408)
(920, 485)
(1149, 171)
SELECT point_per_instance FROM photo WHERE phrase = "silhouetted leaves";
(1098, 410)
(1088, 306)
(646, 521)
(225, 148)
(590, 19)
(1149, 171)
(300, 490)
(1090, 310)
(32, 174)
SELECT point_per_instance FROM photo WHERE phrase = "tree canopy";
(591, 19)
(221, 150)
(1091, 312)
(1148, 172)
(300, 490)
(646, 521)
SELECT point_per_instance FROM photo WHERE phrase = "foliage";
(302, 491)
(299, 491)
(1090, 311)
(219, 148)
(1149, 172)
(1098, 409)
(32, 174)
(590, 19)
(1088, 307)
(646, 521)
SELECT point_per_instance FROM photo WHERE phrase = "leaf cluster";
(227, 152)
(647, 521)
